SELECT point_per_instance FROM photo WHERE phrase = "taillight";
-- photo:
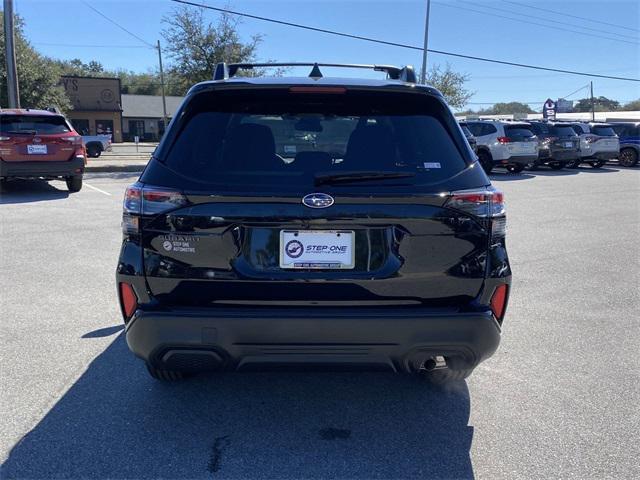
(485, 204)
(503, 140)
(592, 139)
(128, 300)
(140, 200)
(499, 301)
(4, 139)
(73, 139)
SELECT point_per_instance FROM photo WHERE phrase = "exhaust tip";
(434, 363)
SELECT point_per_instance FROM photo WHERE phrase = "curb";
(113, 168)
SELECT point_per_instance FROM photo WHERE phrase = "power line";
(401, 45)
(573, 16)
(573, 93)
(88, 46)
(560, 22)
(118, 25)
(494, 15)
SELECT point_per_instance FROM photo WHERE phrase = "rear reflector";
(128, 299)
(499, 301)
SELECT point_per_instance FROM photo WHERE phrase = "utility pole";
(164, 100)
(423, 74)
(13, 93)
(593, 106)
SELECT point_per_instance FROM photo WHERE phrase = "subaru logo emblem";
(37, 139)
(317, 200)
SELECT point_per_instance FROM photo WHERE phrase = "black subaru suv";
(313, 222)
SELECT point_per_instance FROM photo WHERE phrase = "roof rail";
(224, 71)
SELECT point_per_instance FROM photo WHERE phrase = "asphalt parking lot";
(558, 400)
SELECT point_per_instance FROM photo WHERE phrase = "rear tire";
(486, 161)
(628, 157)
(74, 184)
(574, 164)
(598, 164)
(516, 168)
(445, 376)
(165, 375)
(93, 151)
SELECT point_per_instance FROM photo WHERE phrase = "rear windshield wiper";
(348, 177)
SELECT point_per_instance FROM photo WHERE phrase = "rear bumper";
(603, 155)
(559, 155)
(47, 169)
(517, 160)
(234, 339)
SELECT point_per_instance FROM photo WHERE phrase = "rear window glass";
(466, 131)
(579, 129)
(33, 124)
(540, 128)
(603, 131)
(518, 133)
(272, 138)
(563, 131)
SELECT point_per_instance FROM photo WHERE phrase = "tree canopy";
(39, 76)
(450, 84)
(601, 104)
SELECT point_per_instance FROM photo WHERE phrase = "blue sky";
(473, 27)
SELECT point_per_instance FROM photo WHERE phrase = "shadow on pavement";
(103, 332)
(510, 177)
(116, 422)
(589, 169)
(28, 191)
(133, 176)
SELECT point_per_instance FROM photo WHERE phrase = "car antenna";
(315, 72)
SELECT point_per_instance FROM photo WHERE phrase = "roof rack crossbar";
(224, 71)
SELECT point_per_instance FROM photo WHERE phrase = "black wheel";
(93, 151)
(515, 168)
(556, 165)
(445, 376)
(533, 166)
(573, 164)
(165, 375)
(598, 164)
(74, 184)
(628, 157)
(485, 160)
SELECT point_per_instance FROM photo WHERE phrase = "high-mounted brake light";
(499, 301)
(330, 90)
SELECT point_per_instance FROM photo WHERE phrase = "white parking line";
(96, 189)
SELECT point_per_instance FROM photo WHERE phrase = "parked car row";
(516, 145)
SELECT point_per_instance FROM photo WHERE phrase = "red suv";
(40, 144)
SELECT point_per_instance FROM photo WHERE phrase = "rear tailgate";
(36, 138)
(240, 170)
(522, 140)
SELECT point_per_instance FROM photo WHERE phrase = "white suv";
(512, 145)
(598, 143)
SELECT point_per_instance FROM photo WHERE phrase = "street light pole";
(593, 106)
(164, 100)
(423, 74)
(13, 93)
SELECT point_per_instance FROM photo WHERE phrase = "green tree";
(601, 104)
(38, 76)
(195, 45)
(513, 108)
(632, 106)
(450, 84)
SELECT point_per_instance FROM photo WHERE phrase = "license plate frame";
(37, 150)
(318, 249)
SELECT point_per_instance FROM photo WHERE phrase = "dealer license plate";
(317, 249)
(37, 149)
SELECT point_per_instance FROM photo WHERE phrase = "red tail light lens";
(504, 140)
(499, 301)
(139, 200)
(484, 203)
(128, 300)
